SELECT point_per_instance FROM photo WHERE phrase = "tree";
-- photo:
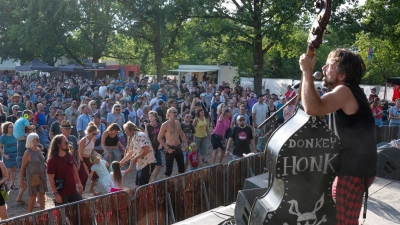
(157, 22)
(266, 23)
(261, 24)
(50, 29)
(383, 63)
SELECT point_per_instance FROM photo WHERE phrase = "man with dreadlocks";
(351, 120)
(140, 152)
(62, 173)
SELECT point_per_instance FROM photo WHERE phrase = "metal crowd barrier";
(177, 198)
(387, 133)
(113, 208)
(239, 170)
(162, 202)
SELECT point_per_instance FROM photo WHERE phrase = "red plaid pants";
(348, 192)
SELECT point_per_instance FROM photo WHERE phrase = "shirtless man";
(171, 130)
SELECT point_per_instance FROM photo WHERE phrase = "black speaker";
(260, 181)
(389, 163)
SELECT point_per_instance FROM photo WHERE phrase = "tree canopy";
(264, 38)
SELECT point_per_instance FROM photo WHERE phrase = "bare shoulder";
(341, 97)
(164, 125)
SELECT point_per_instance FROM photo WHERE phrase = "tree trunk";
(258, 56)
(96, 59)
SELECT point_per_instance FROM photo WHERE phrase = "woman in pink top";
(223, 123)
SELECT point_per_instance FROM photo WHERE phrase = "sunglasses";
(117, 109)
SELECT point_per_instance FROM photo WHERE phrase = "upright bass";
(303, 159)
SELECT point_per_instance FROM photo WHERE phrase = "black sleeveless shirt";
(357, 136)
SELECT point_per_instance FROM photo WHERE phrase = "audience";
(64, 110)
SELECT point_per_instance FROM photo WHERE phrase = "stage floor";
(383, 207)
(383, 203)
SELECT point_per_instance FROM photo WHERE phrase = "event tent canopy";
(36, 64)
(70, 68)
(9, 64)
(393, 80)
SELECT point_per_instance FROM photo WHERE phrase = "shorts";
(201, 143)
(115, 155)
(143, 175)
(169, 160)
(2, 201)
(216, 142)
(74, 197)
(157, 154)
(12, 162)
(186, 156)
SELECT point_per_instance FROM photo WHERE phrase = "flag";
(370, 53)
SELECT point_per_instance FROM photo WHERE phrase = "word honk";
(313, 143)
(312, 164)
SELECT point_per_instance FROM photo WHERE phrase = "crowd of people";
(61, 131)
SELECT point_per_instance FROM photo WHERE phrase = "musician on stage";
(352, 122)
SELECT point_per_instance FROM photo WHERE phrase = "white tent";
(9, 64)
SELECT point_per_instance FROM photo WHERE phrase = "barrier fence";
(239, 170)
(162, 202)
(387, 133)
(112, 208)
(177, 198)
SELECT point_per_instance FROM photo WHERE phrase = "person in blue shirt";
(214, 107)
(282, 102)
(83, 120)
(19, 131)
(40, 115)
(154, 86)
(120, 87)
(43, 138)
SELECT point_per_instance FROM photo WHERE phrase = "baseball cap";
(239, 117)
(96, 115)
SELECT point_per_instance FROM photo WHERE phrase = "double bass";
(303, 160)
